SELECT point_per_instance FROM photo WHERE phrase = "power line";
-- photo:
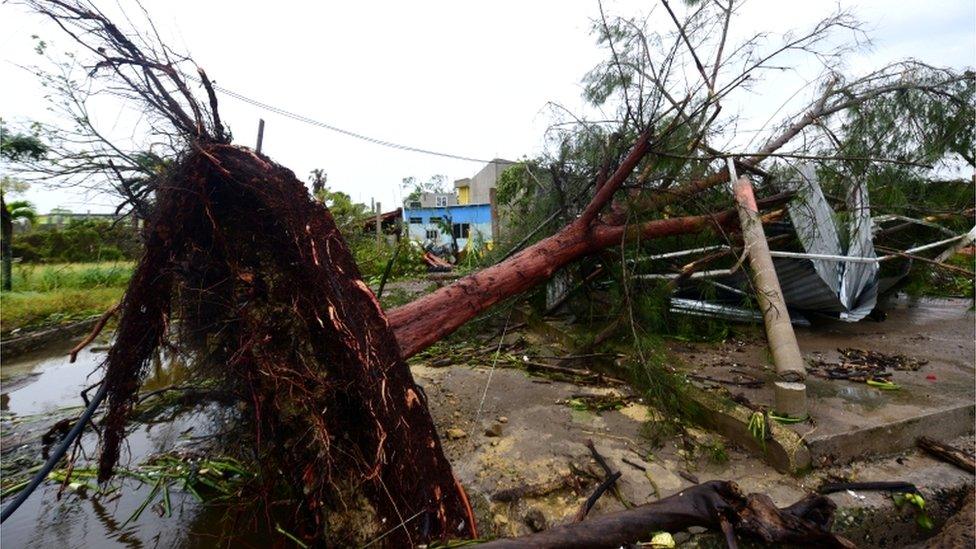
(355, 135)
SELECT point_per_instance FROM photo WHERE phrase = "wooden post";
(494, 215)
(790, 392)
(379, 224)
(260, 135)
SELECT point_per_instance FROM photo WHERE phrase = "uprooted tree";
(250, 279)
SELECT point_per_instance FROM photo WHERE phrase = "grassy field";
(46, 295)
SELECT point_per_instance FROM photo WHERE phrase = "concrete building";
(469, 222)
(476, 189)
(467, 211)
(433, 200)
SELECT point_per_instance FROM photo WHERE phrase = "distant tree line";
(79, 240)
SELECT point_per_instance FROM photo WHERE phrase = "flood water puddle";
(39, 390)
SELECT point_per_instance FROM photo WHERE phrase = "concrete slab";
(541, 439)
(852, 420)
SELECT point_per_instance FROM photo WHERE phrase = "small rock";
(454, 433)
(535, 520)
(500, 520)
(694, 530)
(681, 537)
(494, 442)
(494, 431)
(502, 419)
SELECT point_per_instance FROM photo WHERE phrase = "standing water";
(41, 389)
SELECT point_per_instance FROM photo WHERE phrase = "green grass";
(51, 294)
(33, 277)
(25, 310)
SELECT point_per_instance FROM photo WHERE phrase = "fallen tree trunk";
(717, 505)
(425, 321)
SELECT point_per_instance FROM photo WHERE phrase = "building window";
(432, 234)
(461, 230)
(435, 220)
(416, 220)
(440, 201)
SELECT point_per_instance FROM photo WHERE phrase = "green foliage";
(17, 146)
(414, 187)
(653, 373)
(21, 209)
(349, 216)
(372, 259)
(78, 241)
(716, 452)
(929, 280)
(757, 428)
(918, 125)
(354, 222)
(915, 500)
(652, 311)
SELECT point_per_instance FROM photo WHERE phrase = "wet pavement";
(853, 419)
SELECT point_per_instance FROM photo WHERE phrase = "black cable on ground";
(57, 455)
(901, 487)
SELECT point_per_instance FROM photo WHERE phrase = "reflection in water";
(43, 389)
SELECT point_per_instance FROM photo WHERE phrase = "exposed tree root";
(270, 303)
(97, 329)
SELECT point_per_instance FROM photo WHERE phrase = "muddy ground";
(508, 431)
(517, 440)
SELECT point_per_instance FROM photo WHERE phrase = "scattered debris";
(532, 490)
(948, 454)
(865, 366)
(597, 403)
(740, 380)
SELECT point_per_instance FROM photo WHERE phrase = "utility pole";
(790, 391)
(379, 224)
(260, 135)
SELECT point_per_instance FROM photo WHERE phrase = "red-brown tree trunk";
(425, 321)
(421, 323)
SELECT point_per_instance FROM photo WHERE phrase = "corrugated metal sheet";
(847, 289)
(859, 287)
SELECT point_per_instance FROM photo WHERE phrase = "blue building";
(468, 222)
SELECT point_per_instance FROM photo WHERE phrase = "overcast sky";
(467, 78)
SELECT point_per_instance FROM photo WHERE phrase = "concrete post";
(790, 391)
(260, 135)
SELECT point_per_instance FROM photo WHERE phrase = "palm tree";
(18, 209)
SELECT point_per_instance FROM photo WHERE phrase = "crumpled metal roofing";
(847, 289)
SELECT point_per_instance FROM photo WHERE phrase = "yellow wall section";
(464, 195)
